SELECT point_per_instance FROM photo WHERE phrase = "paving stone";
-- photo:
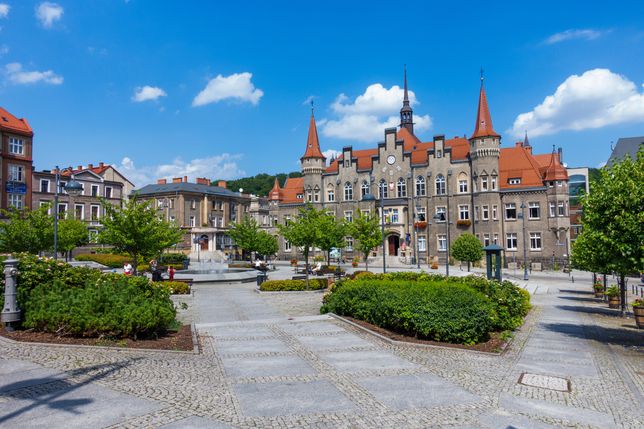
(268, 366)
(268, 345)
(311, 328)
(354, 361)
(545, 382)
(344, 340)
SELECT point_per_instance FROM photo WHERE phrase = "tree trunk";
(306, 266)
(135, 263)
(366, 261)
(468, 266)
(622, 287)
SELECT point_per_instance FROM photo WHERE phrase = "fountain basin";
(218, 275)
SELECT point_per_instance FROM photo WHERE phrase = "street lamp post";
(72, 188)
(449, 173)
(416, 244)
(525, 250)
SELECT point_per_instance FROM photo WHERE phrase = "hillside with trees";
(260, 184)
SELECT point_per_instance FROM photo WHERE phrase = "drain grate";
(545, 382)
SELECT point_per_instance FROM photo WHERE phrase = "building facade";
(432, 192)
(16, 164)
(99, 181)
(204, 212)
(578, 184)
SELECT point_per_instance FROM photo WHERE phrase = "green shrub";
(107, 259)
(363, 274)
(445, 312)
(292, 285)
(175, 287)
(172, 258)
(114, 305)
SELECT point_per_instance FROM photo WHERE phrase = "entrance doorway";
(203, 241)
(394, 245)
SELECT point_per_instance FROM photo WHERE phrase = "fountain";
(211, 270)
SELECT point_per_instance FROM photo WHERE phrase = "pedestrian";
(171, 272)
(127, 269)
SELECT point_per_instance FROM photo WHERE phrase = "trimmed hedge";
(172, 259)
(107, 259)
(292, 285)
(462, 310)
(175, 287)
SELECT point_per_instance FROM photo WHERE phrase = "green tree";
(71, 234)
(30, 231)
(304, 232)
(332, 233)
(267, 244)
(467, 248)
(612, 236)
(365, 229)
(259, 184)
(136, 229)
(246, 234)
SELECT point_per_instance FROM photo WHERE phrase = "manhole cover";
(545, 382)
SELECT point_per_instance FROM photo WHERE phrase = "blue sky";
(219, 89)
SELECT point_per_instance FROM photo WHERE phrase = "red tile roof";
(11, 123)
(99, 169)
(276, 193)
(312, 142)
(550, 167)
(483, 127)
(293, 187)
(518, 163)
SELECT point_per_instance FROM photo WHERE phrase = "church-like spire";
(312, 142)
(526, 142)
(406, 113)
(275, 193)
(483, 126)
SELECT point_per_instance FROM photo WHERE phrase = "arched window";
(420, 186)
(462, 183)
(348, 191)
(330, 193)
(440, 185)
(316, 194)
(383, 188)
(401, 188)
(364, 188)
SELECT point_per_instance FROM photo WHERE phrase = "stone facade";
(476, 184)
(16, 165)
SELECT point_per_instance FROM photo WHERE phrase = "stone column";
(10, 313)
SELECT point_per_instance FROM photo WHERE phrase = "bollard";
(10, 313)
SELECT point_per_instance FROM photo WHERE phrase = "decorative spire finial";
(482, 76)
(312, 107)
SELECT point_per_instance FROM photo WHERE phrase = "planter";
(599, 294)
(639, 316)
(420, 225)
(463, 222)
(613, 302)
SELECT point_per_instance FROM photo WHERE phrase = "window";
(462, 186)
(365, 212)
(391, 215)
(16, 146)
(94, 190)
(559, 183)
(439, 154)
(422, 243)
(46, 203)
(535, 241)
(287, 246)
(44, 185)
(192, 221)
(494, 183)
(348, 191)
(483, 183)
(330, 194)
(440, 185)
(442, 212)
(561, 208)
(485, 212)
(551, 184)
(93, 235)
(486, 239)
(463, 212)
(264, 220)
(441, 240)
(316, 195)
(494, 213)
(383, 189)
(173, 219)
(401, 188)
(348, 216)
(364, 188)
(79, 211)
(514, 181)
(309, 196)
(534, 210)
(510, 211)
(349, 241)
(108, 194)
(422, 214)
(551, 206)
(16, 201)
(193, 204)
(287, 220)
(16, 173)
(160, 203)
(62, 209)
(421, 191)
(511, 241)
(495, 240)
(94, 212)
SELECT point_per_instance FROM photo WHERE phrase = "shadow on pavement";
(580, 292)
(60, 386)
(617, 336)
(580, 298)
(591, 310)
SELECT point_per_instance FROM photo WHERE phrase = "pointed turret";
(406, 112)
(526, 142)
(275, 193)
(483, 126)
(312, 142)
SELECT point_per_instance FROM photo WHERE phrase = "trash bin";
(261, 278)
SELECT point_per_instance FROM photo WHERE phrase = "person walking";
(171, 272)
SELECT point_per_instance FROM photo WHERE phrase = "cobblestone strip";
(153, 420)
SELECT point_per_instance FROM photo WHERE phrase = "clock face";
(391, 159)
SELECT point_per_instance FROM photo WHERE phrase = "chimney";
(101, 165)
(54, 170)
(185, 179)
(89, 166)
(560, 152)
(518, 144)
(80, 167)
(203, 181)
(161, 181)
(222, 184)
(529, 149)
(176, 180)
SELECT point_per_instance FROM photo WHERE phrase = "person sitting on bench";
(317, 268)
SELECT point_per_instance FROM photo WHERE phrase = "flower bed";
(292, 285)
(175, 287)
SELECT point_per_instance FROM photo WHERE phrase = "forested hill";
(260, 184)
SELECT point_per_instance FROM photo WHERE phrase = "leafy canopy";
(250, 237)
(71, 234)
(30, 231)
(467, 248)
(366, 231)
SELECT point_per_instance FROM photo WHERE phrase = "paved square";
(272, 399)
(368, 360)
(545, 382)
(341, 341)
(416, 391)
(307, 328)
(266, 366)
(268, 345)
(239, 331)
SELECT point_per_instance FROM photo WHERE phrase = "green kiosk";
(493, 259)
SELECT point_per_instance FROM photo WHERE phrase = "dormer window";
(300, 196)
(514, 181)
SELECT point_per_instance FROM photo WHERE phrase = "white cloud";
(595, 99)
(222, 166)
(4, 10)
(145, 93)
(365, 118)
(331, 153)
(236, 86)
(48, 13)
(15, 74)
(585, 34)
